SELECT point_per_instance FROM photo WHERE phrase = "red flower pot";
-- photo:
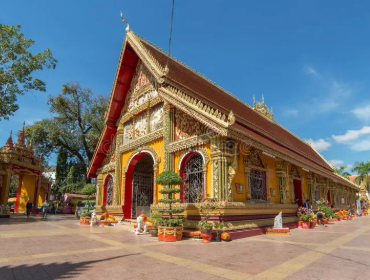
(170, 234)
(205, 238)
(306, 225)
(300, 224)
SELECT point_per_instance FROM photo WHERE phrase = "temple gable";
(186, 126)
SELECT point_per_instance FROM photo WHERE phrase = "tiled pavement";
(60, 248)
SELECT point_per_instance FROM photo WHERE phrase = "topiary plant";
(169, 179)
(88, 189)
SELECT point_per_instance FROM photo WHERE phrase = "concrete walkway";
(60, 248)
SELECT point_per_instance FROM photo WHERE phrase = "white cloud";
(361, 146)
(358, 140)
(351, 135)
(327, 106)
(290, 112)
(362, 113)
(336, 162)
(338, 89)
(310, 70)
(320, 144)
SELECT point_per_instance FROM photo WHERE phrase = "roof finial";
(126, 22)
(254, 99)
(21, 136)
(263, 99)
(9, 142)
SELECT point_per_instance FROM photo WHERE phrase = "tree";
(61, 170)
(363, 171)
(77, 122)
(89, 190)
(17, 64)
(340, 171)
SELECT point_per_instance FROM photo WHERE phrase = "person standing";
(307, 205)
(45, 207)
(29, 208)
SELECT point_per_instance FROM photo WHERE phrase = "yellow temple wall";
(272, 180)
(41, 197)
(4, 196)
(27, 192)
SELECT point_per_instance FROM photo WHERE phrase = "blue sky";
(310, 59)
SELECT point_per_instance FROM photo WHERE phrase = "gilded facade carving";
(187, 126)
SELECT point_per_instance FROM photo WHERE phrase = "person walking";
(29, 208)
(45, 207)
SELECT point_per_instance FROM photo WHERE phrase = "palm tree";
(340, 171)
(363, 171)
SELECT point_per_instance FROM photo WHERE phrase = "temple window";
(108, 190)
(193, 179)
(258, 184)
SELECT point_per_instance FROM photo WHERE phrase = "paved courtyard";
(60, 248)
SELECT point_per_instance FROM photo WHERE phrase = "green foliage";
(86, 214)
(89, 189)
(61, 171)
(73, 188)
(156, 218)
(324, 207)
(76, 125)
(14, 185)
(17, 64)
(340, 171)
(363, 171)
(205, 210)
(168, 178)
(219, 226)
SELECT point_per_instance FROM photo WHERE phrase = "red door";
(298, 191)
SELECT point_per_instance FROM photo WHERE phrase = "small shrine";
(19, 159)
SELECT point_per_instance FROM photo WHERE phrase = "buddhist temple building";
(19, 159)
(363, 189)
(163, 115)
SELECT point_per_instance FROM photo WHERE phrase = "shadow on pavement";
(22, 219)
(51, 270)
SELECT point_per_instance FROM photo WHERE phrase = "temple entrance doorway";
(108, 190)
(329, 197)
(142, 186)
(298, 191)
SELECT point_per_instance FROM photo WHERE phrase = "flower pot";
(205, 238)
(154, 232)
(306, 225)
(85, 220)
(313, 224)
(170, 234)
(300, 224)
(326, 221)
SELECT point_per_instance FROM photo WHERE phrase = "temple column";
(155, 174)
(168, 135)
(36, 193)
(282, 176)
(310, 187)
(118, 166)
(20, 179)
(222, 171)
(6, 182)
(99, 183)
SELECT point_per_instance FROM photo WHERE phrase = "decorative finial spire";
(126, 22)
(263, 99)
(21, 137)
(254, 99)
(9, 142)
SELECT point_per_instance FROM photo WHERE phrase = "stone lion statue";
(94, 221)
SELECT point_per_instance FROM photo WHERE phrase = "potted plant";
(89, 190)
(156, 220)
(306, 218)
(171, 227)
(219, 227)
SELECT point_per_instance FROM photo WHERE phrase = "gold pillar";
(168, 135)
(118, 166)
(282, 177)
(222, 171)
